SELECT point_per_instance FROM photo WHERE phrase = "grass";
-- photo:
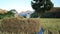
(51, 24)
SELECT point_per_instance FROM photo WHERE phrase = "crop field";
(50, 25)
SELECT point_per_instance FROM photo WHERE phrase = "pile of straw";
(15, 25)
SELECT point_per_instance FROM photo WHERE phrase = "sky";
(21, 5)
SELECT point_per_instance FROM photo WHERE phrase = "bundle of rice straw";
(15, 25)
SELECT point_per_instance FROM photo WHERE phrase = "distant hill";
(3, 11)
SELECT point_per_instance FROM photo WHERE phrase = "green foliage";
(34, 15)
(40, 6)
(8, 14)
(13, 11)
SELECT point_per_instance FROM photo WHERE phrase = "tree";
(34, 15)
(40, 6)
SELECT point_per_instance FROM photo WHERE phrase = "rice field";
(50, 25)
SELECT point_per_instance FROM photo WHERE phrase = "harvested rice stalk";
(30, 26)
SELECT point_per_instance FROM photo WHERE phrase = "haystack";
(16, 25)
